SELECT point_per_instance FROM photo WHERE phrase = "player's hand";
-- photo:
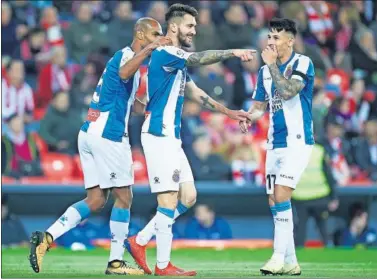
(269, 55)
(162, 41)
(239, 115)
(244, 126)
(244, 54)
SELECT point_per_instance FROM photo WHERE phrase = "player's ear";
(291, 41)
(140, 35)
(174, 27)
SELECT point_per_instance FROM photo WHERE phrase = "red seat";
(39, 113)
(57, 166)
(8, 179)
(41, 144)
(140, 166)
(77, 168)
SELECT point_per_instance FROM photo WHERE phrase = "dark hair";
(285, 24)
(179, 10)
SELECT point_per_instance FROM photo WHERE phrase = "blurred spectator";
(358, 233)
(245, 83)
(84, 35)
(122, 21)
(296, 10)
(25, 12)
(338, 150)
(315, 194)
(12, 231)
(206, 225)
(205, 164)
(206, 34)
(54, 77)
(320, 59)
(366, 150)
(320, 23)
(245, 160)
(21, 153)
(102, 10)
(17, 96)
(256, 14)
(85, 82)
(60, 115)
(236, 32)
(216, 83)
(34, 51)
(157, 10)
(192, 124)
(11, 30)
(50, 23)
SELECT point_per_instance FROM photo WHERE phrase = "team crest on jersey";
(176, 176)
(180, 53)
(288, 72)
(277, 103)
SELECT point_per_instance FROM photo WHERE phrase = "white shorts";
(104, 162)
(167, 163)
(284, 166)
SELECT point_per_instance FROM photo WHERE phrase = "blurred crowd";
(53, 53)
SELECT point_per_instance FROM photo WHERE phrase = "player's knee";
(96, 203)
(282, 193)
(168, 200)
(123, 197)
(188, 195)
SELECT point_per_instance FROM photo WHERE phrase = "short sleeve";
(170, 57)
(127, 54)
(260, 93)
(303, 69)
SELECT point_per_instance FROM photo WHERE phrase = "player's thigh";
(114, 162)
(272, 163)
(163, 163)
(88, 164)
(293, 164)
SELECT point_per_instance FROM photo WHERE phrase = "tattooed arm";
(256, 111)
(199, 96)
(288, 88)
(214, 56)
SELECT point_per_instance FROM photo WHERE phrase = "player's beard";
(183, 40)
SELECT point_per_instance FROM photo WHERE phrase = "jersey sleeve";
(260, 93)
(126, 55)
(303, 69)
(170, 57)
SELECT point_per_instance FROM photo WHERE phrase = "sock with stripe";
(146, 234)
(119, 222)
(164, 235)
(283, 230)
(70, 219)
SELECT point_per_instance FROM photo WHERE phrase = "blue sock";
(82, 208)
(119, 223)
(273, 210)
(181, 209)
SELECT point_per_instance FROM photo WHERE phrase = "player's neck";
(136, 47)
(285, 58)
(174, 40)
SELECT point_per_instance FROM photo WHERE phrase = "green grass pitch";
(329, 263)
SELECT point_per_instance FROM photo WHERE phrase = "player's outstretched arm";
(256, 111)
(288, 88)
(199, 96)
(213, 56)
(133, 64)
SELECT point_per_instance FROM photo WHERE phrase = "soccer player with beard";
(169, 172)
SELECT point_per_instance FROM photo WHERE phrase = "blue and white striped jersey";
(167, 77)
(112, 101)
(291, 120)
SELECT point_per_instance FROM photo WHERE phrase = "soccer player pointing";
(169, 172)
(285, 84)
(105, 152)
